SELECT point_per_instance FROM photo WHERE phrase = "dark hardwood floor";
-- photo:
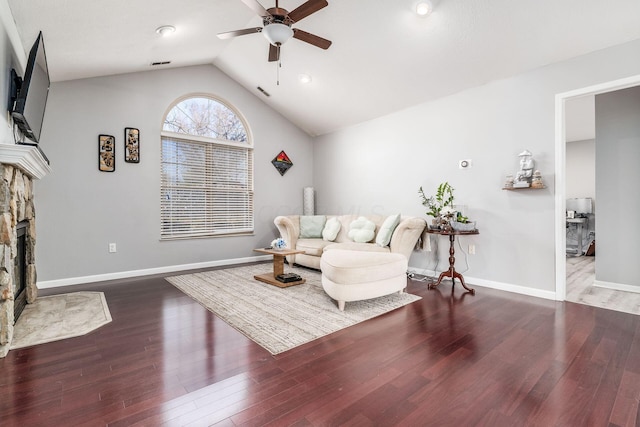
(493, 359)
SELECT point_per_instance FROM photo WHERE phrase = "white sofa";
(403, 239)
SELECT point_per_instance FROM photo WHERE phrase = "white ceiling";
(384, 58)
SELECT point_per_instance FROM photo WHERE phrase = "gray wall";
(379, 165)
(373, 167)
(5, 70)
(581, 169)
(12, 55)
(80, 210)
(618, 175)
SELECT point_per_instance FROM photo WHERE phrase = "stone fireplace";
(20, 265)
(19, 166)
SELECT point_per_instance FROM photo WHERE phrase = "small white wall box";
(465, 164)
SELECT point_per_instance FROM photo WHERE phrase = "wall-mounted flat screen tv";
(28, 111)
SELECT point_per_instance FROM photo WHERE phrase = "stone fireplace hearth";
(19, 165)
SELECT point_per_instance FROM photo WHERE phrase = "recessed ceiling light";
(304, 78)
(166, 30)
(423, 8)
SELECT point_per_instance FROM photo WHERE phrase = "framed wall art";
(131, 145)
(282, 162)
(106, 153)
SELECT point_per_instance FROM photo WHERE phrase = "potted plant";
(440, 206)
(462, 223)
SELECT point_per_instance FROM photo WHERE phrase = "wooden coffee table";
(278, 267)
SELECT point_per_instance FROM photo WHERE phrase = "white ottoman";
(357, 275)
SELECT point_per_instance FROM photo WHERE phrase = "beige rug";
(57, 317)
(279, 319)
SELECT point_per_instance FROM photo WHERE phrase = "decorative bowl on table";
(278, 244)
(463, 226)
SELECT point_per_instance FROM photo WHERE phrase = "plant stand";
(451, 272)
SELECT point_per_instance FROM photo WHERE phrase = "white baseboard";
(146, 272)
(617, 286)
(508, 287)
(175, 268)
(524, 290)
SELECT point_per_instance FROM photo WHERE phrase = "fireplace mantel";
(26, 157)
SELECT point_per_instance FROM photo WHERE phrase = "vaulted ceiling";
(384, 57)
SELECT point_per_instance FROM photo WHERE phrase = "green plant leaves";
(443, 198)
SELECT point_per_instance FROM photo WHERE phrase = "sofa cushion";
(353, 246)
(313, 247)
(353, 267)
(362, 230)
(331, 229)
(311, 226)
(386, 230)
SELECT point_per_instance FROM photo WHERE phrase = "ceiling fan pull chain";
(278, 68)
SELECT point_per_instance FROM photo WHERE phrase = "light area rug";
(58, 317)
(279, 319)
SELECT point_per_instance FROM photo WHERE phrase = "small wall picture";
(106, 153)
(131, 145)
(282, 162)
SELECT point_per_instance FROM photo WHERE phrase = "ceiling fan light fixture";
(166, 30)
(277, 33)
(423, 8)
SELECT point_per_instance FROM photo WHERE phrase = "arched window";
(207, 170)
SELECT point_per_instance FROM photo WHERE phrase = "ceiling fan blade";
(307, 9)
(311, 39)
(274, 53)
(256, 7)
(237, 33)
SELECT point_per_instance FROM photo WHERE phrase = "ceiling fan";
(277, 25)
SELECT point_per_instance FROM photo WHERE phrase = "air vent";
(264, 92)
(160, 63)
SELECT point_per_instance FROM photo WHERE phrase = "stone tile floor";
(57, 317)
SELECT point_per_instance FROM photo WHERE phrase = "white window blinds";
(206, 186)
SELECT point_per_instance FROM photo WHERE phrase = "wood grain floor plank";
(494, 359)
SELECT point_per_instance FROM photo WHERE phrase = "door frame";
(561, 170)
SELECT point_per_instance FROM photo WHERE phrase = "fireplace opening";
(20, 270)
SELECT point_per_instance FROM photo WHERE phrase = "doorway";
(561, 173)
(580, 170)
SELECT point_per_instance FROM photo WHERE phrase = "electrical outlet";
(465, 164)
(112, 248)
(472, 249)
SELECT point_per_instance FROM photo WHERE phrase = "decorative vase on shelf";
(508, 183)
(536, 181)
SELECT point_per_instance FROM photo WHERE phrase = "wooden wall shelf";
(524, 188)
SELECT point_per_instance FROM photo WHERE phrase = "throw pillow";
(386, 230)
(362, 230)
(311, 226)
(331, 229)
